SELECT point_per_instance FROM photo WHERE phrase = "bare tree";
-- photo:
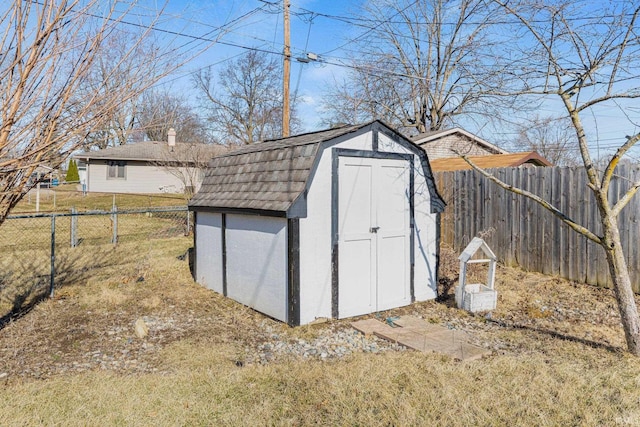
(120, 67)
(420, 64)
(48, 49)
(161, 110)
(245, 100)
(357, 99)
(187, 162)
(585, 58)
(553, 138)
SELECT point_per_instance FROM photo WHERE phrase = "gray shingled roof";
(271, 176)
(266, 176)
(156, 151)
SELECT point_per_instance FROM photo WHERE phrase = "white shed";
(329, 224)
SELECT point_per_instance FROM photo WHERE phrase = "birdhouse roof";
(473, 247)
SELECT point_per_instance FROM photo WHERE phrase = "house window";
(116, 170)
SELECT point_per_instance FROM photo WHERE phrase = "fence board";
(534, 224)
(584, 200)
(622, 187)
(523, 233)
(500, 218)
(546, 258)
(565, 230)
(520, 223)
(593, 250)
(633, 237)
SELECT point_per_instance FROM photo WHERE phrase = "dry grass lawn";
(557, 358)
(63, 198)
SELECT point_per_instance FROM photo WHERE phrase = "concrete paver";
(423, 336)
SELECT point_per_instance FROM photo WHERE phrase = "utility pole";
(286, 71)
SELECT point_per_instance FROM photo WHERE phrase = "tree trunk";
(621, 284)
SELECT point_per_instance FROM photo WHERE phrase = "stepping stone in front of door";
(417, 324)
(369, 326)
(407, 337)
(444, 341)
(422, 336)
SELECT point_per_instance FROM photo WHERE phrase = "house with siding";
(146, 167)
(449, 142)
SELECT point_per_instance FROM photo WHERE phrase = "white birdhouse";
(477, 296)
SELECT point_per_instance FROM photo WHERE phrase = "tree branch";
(613, 163)
(555, 211)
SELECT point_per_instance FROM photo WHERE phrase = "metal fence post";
(53, 255)
(188, 223)
(114, 221)
(74, 227)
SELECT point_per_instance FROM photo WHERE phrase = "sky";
(318, 27)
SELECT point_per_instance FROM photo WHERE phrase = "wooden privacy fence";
(523, 233)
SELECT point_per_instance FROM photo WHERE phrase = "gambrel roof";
(272, 177)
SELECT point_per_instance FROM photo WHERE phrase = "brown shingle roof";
(491, 161)
(266, 176)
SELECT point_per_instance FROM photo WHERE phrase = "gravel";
(330, 343)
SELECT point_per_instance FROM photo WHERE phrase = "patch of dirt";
(540, 307)
(90, 326)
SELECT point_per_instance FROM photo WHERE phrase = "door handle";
(374, 229)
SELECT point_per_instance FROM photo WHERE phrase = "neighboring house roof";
(492, 161)
(43, 169)
(156, 151)
(272, 175)
(426, 138)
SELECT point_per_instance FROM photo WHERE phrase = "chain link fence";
(39, 252)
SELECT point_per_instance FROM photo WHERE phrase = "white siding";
(140, 177)
(209, 250)
(257, 263)
(315, 237)
(447, 146)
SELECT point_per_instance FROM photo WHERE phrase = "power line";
(337, 61)
(381, 72)
(370, 29)
(354, 20)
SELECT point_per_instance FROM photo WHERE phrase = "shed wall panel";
(256, 253)
(209, 250)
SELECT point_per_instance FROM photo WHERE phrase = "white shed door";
(373, 235)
